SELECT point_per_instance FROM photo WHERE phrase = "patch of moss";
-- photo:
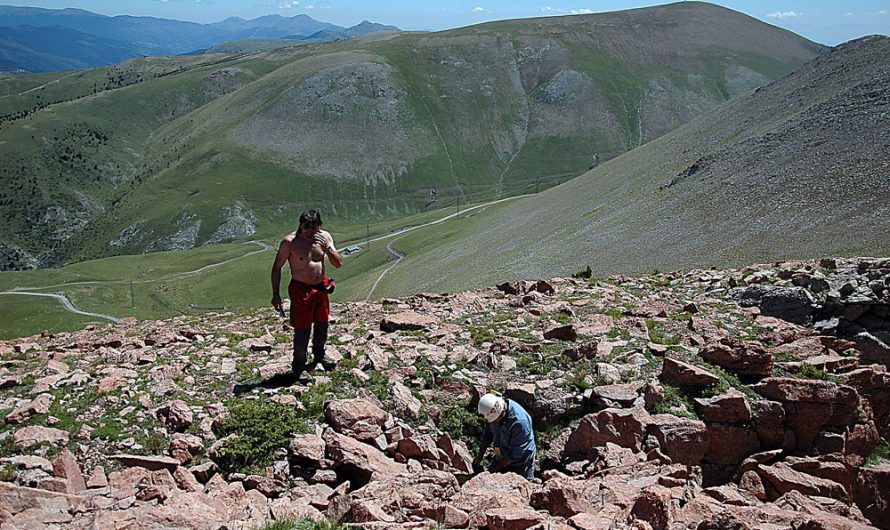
(877, 457)
(657, 334)
(261, 428)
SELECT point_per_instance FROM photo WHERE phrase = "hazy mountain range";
(41, 40)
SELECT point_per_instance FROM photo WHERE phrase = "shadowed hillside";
(376, 128)
(797, 169)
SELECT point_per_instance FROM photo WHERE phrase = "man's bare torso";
(306, 258)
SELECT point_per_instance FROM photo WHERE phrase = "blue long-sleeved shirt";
(514, 437)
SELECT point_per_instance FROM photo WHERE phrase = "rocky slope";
(753, 398)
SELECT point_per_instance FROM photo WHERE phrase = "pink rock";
(34, 434)
(130, 478)
(97, 479)
(367, 460)
(731, 407)
(152, 463)
(567, 333)
(741, 357)
(687, 375)
(682, 440)
(792, 390)
(730, 443)
(512, 518)
(623, 427)
(563, 496)
(357, 418)
(259, 345)
(39, 405)
(295, 510)
(307, 447)
(488, 491)
(396, 495)
(753, 485)
(407, 321)
(457, 453)
(802, 348)
(872, 494)
(176, 414)
(596, 324)
(448, 516)
(186, 481)
(653, 506)
(780, 479)
(405, 402)
(874, 386)
(17, 499)
(367, 511)
(769, 422)
(419, 446)
(833, 363)
(65, 466)
(183, 447)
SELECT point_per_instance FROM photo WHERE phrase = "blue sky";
(824, 21)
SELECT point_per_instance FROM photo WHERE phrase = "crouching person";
(509, 429)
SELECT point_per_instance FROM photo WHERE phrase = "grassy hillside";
(797, 169)
(181, 152)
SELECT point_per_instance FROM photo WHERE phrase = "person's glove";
(328, 285)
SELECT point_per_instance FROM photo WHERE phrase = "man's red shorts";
(308, 304)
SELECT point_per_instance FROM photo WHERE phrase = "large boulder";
(397, 496)
(794, 304)
(359, 458)
(811, 405)
(871, 491)
(623, 427)
(730, 443)
(407, 321)
(487, 491)
(35, 434)
(176, 414)
(740, 357)
(564, 496)
(781, 478)
(357, 418)
(683, 374)
(683, 440)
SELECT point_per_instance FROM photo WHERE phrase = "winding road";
(60, 296)
(400, 255)
(65, 302)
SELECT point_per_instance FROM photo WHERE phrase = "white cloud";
(781, 15)
(848, 14)
(478, 9)
(548, 9)
(584, 11)
(882, 12)
(288, 4)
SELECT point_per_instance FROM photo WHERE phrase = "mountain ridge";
(770, 175)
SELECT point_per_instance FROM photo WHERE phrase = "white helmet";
(491, 407)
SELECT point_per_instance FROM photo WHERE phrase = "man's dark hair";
(310, 218)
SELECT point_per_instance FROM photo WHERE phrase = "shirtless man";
(305, 250)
